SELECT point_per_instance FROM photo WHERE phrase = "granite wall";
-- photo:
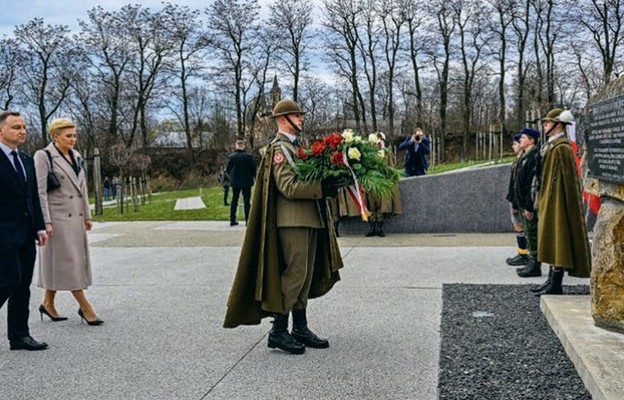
(463, 201)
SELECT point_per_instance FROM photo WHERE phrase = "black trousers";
(236, 191)
(16, 271)
(226, 192)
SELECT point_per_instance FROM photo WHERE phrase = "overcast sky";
(67, 12)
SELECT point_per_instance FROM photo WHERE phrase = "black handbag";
(53, 181)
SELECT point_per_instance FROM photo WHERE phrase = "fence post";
(97, 182)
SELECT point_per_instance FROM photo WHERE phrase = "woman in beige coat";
(64, 263)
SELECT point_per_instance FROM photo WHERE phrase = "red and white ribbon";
(356, 193)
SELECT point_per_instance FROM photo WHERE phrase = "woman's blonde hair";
(58, 125)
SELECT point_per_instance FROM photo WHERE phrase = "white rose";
(354, 153)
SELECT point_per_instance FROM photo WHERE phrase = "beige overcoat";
(64, 263)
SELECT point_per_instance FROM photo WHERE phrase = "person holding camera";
(417, 146)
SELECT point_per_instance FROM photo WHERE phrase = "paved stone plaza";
(161, 287)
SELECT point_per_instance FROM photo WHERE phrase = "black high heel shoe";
(42, 310)
(92, 323)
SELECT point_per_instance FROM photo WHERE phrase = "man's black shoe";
(534, 268)
(309, 339)
(27, 343)
(284, 341)
(519, 259)
(233, 223)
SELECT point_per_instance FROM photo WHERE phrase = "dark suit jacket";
(242, 169)
(20, 210)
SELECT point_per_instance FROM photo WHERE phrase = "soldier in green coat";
(561, 227)
(290, 252)
(382, 207)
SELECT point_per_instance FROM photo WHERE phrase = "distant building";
(260, 127)
(177, 140)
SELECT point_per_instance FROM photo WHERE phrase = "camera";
(418, 138)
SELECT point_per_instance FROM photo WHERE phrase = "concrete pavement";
(161, 288)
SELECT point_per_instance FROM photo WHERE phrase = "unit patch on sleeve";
(278, 158)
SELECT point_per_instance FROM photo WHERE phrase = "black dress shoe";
(533, 268)
(233, 223)
(519, 259)
(95, 322)
(42, 311)
(27, 343)
(306, 337)
(284, 341)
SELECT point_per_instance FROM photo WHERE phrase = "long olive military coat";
(256, 291)
(562, 234)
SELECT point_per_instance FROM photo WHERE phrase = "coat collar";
(61, 164)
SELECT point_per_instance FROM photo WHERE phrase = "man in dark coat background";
(417, 146)
(242, 171)
(21, 223)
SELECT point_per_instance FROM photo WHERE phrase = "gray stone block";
(464, 201)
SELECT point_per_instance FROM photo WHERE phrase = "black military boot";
(543, 285)
(519, 259)
(372, 230)
(554, 287)
(304, 335)
(533, 268)
(281, 339)
(380, 231)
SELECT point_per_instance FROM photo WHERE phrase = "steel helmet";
(285, 107)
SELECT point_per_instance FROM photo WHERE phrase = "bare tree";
(291, 25)
(49, 70)
(413, 17)
(550, 19)
(392, 18)
(11, 61)
(260, 65)
(342, 18)
(232, 27)
(604, 20)
(442, 12)
(521, 27)
(152, 45)
(189, 42)
(105, 38)
(471, 19)
(500, 25)
(367, 44)
(199, 105)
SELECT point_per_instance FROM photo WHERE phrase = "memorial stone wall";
(605, 145)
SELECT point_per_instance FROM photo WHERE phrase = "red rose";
(337, 158)
(318, 148)
(302, 154)
(333, 140)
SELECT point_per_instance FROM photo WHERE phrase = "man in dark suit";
(21, 224)
(242, 171)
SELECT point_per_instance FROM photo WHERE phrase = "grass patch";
(161, 208)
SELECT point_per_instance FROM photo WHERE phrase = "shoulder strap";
(50, 160)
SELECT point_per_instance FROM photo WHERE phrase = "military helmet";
(285, 107)
(559, 115)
